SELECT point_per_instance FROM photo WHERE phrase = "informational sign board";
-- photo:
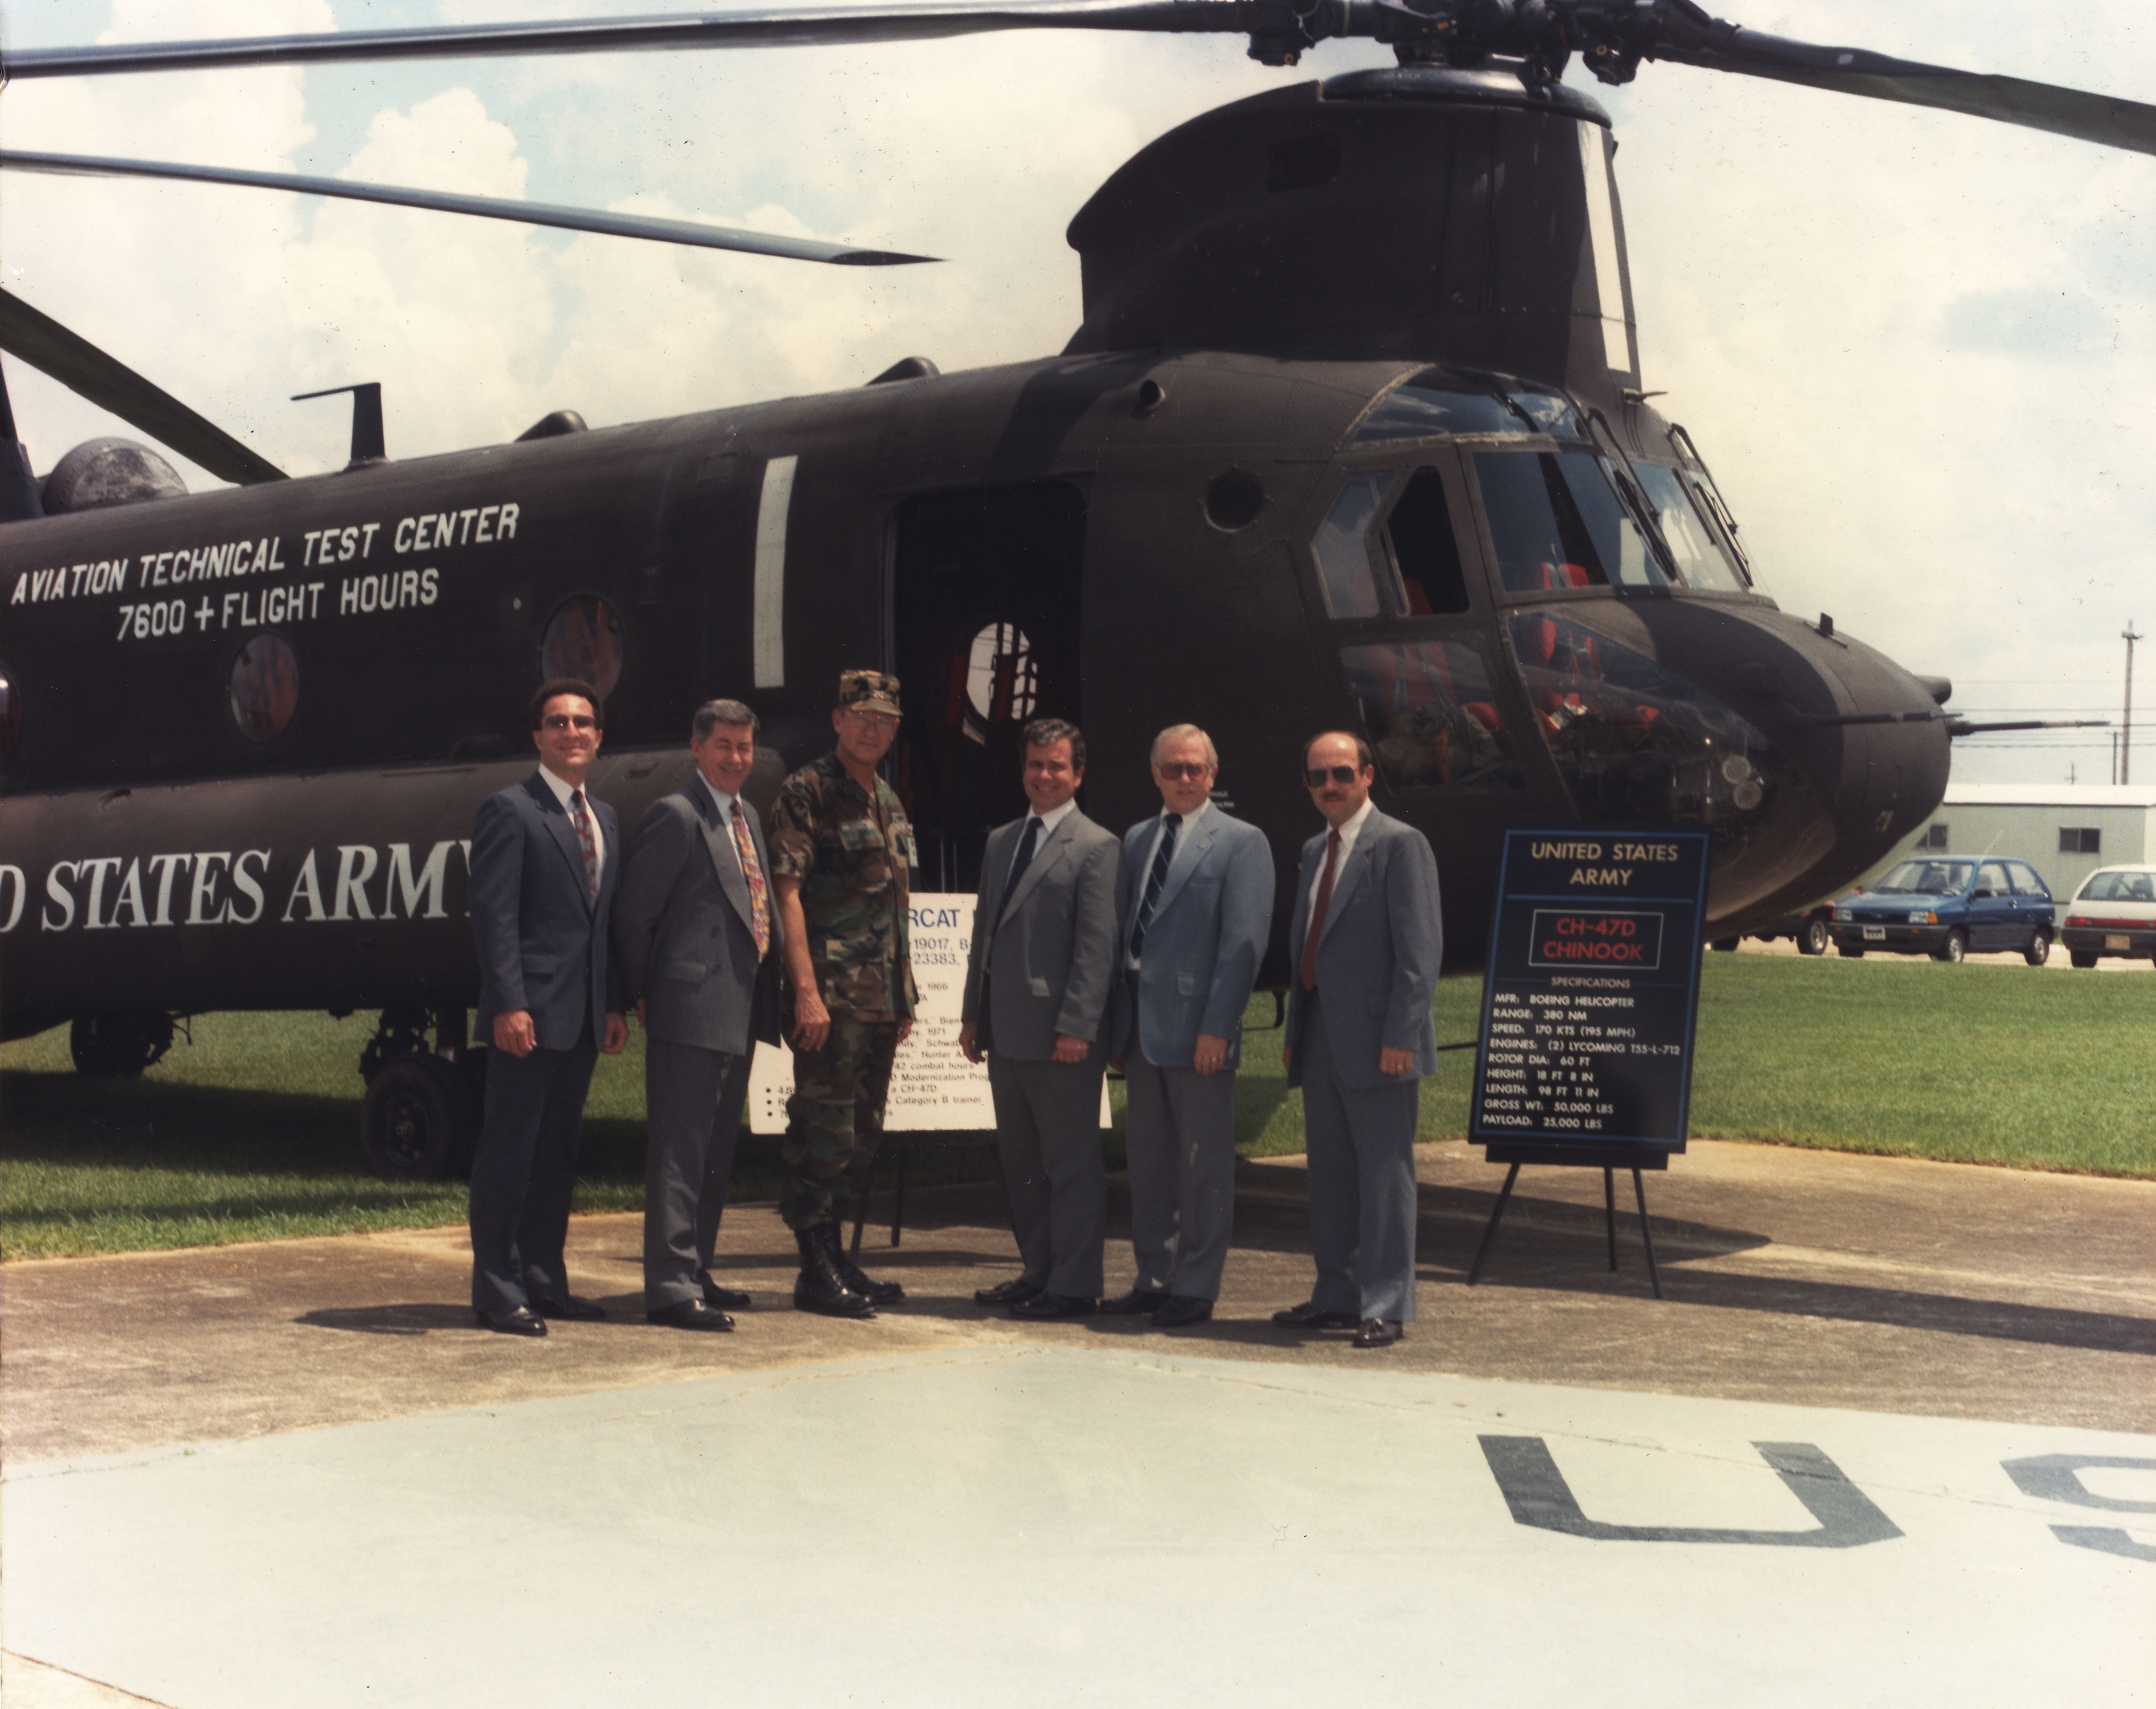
(933, 1088)
(1591, 996)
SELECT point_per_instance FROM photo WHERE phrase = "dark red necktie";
(1318, 912)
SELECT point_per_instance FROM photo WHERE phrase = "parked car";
(2112, 914)
(1944, 906)
(1812, 927)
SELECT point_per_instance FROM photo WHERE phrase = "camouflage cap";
(868, 691)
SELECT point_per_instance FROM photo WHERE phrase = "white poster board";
(933, 1085)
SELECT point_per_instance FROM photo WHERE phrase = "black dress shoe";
(1044, 1306)
(1135, 1301)
(1007, 1293)
(721, 1299)
(1377, 1332)
(582, 1311)
(1310, 1316)
(1180, 1310)
(689, 1314)
(518, 1320)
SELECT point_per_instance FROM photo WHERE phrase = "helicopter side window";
(265, 687)
(1424, 550)
(1432, 719)
(1701, 561)
(1342, 548)
(584, 640)
(1558, 522)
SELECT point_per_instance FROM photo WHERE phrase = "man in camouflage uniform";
(840, 846)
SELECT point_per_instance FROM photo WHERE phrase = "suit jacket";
(1046, 953)
(1203, 943)
(542, 937)
(1378, 955)
(682, 929)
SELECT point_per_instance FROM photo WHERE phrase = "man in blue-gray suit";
(1366, 943)
(545, 862)
(701, 947)
(1199, 900)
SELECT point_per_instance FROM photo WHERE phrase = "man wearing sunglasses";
(544, 863)
(1366, 943)
(1198, 903)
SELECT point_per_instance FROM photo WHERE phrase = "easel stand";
(1609, 1159)
(905, 1144)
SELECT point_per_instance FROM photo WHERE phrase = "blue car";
(1944, 906)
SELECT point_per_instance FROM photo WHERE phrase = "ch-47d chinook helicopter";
(1356, 395)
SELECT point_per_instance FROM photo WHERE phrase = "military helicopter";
(1356, 394)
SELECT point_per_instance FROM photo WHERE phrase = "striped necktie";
(1155, 881)
(759, 913)
(582, 821)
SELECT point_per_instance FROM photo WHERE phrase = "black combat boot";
(820, 1286)
(877, 1293)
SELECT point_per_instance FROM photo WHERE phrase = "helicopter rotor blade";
(89, 372)
(776, 28)
(619, 225)
(1687, 37)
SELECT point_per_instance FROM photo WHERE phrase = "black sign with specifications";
(1592, 992)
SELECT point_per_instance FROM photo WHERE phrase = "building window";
(1934, 837)
(2080, 839)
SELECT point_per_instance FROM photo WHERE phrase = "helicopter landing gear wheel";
(1812, 937)
(2040, 948)
(119, 1046)
(1954, 949)
(1725, 944)
(420, 1120)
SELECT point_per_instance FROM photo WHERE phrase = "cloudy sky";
(1919, 350)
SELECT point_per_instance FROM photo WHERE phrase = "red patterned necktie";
(1318, 913)
(759, 914)
(582, 821)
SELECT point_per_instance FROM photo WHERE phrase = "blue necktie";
(1155, 881)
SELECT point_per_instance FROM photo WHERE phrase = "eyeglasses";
(563, 720)
(874, 721)
(1316, 777)
(1175, 772)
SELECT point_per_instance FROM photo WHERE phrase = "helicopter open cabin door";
(985, 607)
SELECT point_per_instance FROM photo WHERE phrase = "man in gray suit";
(698, 941)
(1198, 890)
(544, 863)
(1037, 973)
(1366, 943)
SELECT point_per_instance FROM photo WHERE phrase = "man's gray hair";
(1184, 732)
(716, 712)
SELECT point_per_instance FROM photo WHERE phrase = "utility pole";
(2126, 733)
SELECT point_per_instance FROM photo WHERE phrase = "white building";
(2064, 830)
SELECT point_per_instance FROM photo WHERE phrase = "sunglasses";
(563, 720)
(1316, 777)
(1190, 769)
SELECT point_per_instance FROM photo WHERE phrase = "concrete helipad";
(1886, 1440)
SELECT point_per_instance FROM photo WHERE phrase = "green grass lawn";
(251, 1133)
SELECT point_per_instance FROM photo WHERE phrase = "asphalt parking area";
(295, 1471)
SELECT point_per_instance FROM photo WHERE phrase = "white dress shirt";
(563, 790)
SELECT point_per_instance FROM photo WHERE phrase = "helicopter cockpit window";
(1558, 522)
(1635, 741)
(1432, 719)
(1341, 546)
(1435, 402)
(1424, 550)
(265, 687)
(583, 640)
(1699, 560)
